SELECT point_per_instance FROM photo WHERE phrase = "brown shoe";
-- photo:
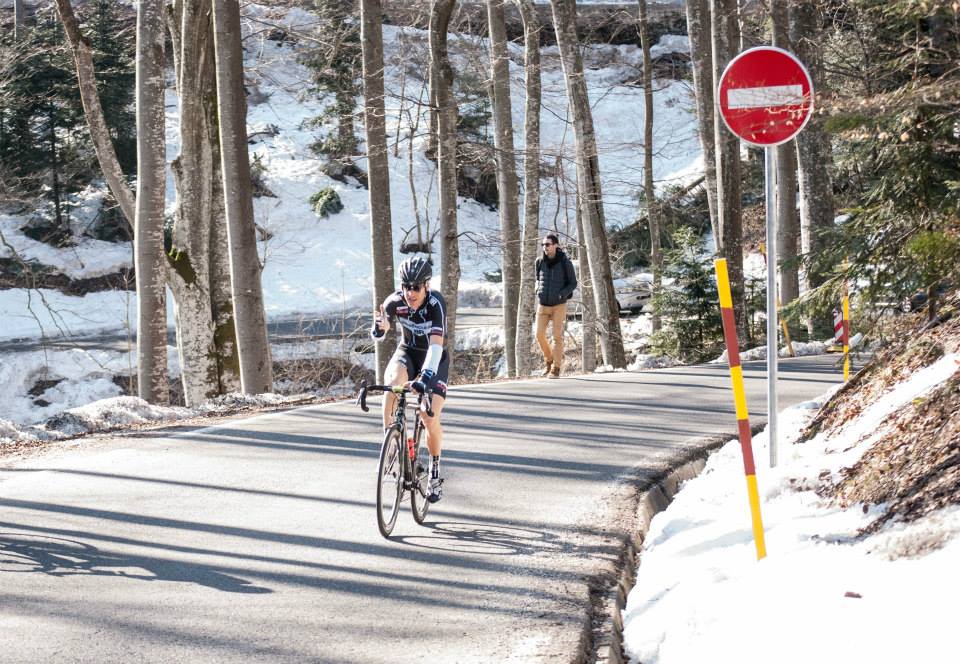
(554, 372)
(549, 370)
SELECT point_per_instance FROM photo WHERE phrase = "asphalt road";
(256, 540)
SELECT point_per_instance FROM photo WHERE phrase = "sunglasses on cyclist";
(413, 288)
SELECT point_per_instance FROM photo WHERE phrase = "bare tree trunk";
(653, 208)
(814, 155)
(256, 370)
(381, 230)
(588, 183)
(725, 29)
(788, 224)
(199, 207)
(149, 261)
(19, 19)
(701, 57)
(99, 132)
(441, 89)
(588, 318)
(506, 177)
(526, 305)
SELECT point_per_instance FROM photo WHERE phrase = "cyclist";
(420, 360)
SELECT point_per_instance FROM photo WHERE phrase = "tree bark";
(788, 224)
(530, 249)
(381, 230)
(653, 209)
(253, 349)
(441, 89)
(99, 132)
(590, 196)
(149, 262)
(506, 177)
(701, 57)
(814, 155)
(19, 19)
(725, 30)
(205, 329)
(588, 317)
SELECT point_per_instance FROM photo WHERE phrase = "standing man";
(556, 281)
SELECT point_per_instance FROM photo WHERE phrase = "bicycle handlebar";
(396, 389)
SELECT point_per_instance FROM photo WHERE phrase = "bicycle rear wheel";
(389, 481)
(421, 468)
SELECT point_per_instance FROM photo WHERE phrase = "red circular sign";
(765, 96)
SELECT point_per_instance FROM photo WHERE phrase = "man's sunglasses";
(413, 288)
(548, 244)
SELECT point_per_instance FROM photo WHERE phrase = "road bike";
(404, 460)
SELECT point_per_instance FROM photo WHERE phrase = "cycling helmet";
(415, 270)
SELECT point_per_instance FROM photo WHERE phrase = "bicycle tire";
(389, 481)
(419, 504)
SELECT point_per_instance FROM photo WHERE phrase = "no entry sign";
(765, 96)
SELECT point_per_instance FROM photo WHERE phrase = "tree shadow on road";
(58, 556)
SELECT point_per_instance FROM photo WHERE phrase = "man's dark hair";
(552, 237)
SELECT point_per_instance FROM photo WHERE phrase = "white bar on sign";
(774, 95)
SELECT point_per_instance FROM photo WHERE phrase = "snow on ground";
(315, 265)
(822, 593)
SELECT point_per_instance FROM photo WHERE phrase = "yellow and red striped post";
(740, 400)
(846, 337)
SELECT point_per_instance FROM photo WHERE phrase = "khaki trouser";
(557, 316)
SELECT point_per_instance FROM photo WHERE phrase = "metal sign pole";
(771, 196)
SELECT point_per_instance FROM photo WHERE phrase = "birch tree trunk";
(526, 305)
(701, 58)
(653, 208)
(506, 177)
(149, 261)
(441, 89)
(253, 349)
(814, 155)
(99, 132)
(725, 30)
(590, 196)
(381, 230)
(788, 224)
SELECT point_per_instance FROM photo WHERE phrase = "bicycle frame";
(411, 443)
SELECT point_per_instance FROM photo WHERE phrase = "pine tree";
(692, 329)
(335, 64)
(113, 63)
(897, 149)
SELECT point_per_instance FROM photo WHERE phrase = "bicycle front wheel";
(389, 481)
(421, 468)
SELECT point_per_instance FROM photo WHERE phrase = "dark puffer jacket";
(556, 279)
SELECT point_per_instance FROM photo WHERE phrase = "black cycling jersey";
(417, 325)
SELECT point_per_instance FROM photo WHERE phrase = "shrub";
(326, 202)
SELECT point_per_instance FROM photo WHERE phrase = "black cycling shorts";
(413, 359)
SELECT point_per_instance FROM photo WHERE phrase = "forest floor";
(915, 466)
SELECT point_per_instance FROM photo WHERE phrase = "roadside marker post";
(846, 337)
(740, 400)
(765, 97)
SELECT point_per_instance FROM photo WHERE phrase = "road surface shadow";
(58, 556)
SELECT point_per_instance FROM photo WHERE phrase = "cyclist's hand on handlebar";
(423, 382)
